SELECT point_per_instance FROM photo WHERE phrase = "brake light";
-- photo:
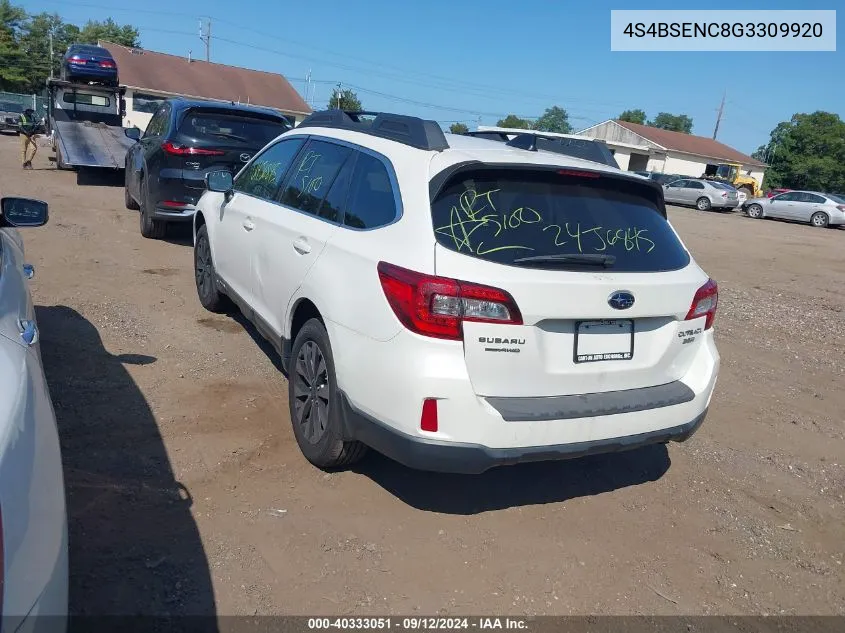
(182, 150)
(578, 174)
(704, 303)
(841, 207)
(428, 419)
(76, 59)
(438, 306)
(107, 63)
(724, 194)
(175, 204)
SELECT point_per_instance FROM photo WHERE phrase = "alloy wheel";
(311, 391)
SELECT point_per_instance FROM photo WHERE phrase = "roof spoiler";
(408, 130)
(586, 149)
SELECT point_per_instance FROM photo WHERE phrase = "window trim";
(263, 151)
(73, 101)
(391, 174)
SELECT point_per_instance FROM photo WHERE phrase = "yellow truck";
(731, 173)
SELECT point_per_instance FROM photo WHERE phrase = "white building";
(152, 77)
(643, 148)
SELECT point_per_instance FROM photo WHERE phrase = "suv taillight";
(704, 303)
(182, 150)
(437, 306)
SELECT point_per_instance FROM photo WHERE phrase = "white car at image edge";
(458, 303)
(33, 521)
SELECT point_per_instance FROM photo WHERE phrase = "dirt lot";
(187, 494)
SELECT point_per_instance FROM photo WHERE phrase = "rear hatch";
(211, 139)
(601, 280)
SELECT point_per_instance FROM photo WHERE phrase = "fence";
(36, 102)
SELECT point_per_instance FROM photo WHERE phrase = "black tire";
(820, 220)
(128, 199)
(205, 276)
(150, 227)
(754, 211)
(317, 419)
(703, 204)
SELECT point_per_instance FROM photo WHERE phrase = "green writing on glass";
(309, 183)
(475, 219)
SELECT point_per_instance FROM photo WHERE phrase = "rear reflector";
(428, 419)
(182, 150)
(173, 204)
(438, 306)
(704, 303)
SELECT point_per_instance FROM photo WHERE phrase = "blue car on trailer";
(86, 63)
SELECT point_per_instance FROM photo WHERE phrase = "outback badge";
(621, 300)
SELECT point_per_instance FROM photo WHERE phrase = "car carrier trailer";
(85, 122)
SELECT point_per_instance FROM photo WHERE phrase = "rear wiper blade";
(227, 135)
(585, 259)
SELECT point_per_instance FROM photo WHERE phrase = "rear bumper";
(173, 187)
(472, 459)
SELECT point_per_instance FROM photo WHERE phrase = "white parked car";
(33, 522)
(455, 303)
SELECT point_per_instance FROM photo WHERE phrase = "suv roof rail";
(585, 148)
(489, 135)
(408, 130)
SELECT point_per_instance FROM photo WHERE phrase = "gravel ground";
(187, 494)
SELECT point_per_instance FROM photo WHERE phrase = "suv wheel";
(315, 402)
(150, 228)
(702, 204)
(129, 201)
(206, 277)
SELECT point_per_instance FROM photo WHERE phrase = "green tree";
(12, 73)
(458, 128)
(35, 45)
(674, 122)
(806, 152)
(345, 100)
(633, 116)
(515, 122)
(554, 119)
(110, 31)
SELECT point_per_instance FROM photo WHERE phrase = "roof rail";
(586, 148)
(407, 130)
(489, 135)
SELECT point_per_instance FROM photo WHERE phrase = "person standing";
(28, 137)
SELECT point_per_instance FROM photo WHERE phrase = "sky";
(478, 60)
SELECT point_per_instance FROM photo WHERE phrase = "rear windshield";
(231, 128)
(837, 198)
(10, 107)
(507, 215)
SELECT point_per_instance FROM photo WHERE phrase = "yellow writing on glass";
(475, 216)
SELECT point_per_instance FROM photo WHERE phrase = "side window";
(694, 184)
(264, 175)
(811, 197)
(312, 175)
(156, 125)
(679, 184)
(786, 197)
(332, 207)
(371, 201)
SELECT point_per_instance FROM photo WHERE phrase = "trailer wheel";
(60, 163)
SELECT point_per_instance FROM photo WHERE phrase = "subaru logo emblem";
(245, 158)
(621, 300)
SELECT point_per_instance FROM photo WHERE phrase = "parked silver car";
(819, 209)
(702, 194)
(33, 519)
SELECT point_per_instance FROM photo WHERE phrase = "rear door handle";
(301, 246)
(248, 224)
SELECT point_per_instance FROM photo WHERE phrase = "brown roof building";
(151, 77)
(643, 148)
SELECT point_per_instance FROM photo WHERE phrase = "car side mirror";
(133, 133)
(221, 182)
(23, 212)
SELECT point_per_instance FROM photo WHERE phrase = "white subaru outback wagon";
(458, 303)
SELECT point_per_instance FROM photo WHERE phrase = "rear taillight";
(704, 303)
(437, 306)
(107, 63)
(76, 59)
(182, 150)
(724, 194)
(841, 207)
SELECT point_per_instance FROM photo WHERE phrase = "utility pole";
(307, 86)
(51, 53)
(339, 92)
(719, 116)
(205, 36)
